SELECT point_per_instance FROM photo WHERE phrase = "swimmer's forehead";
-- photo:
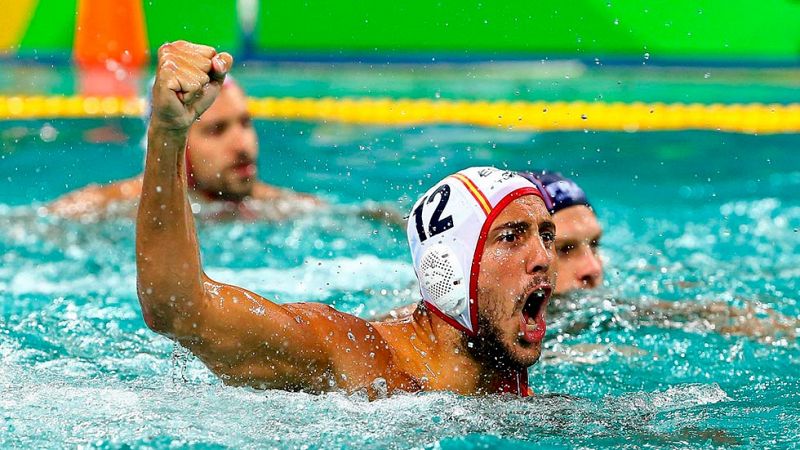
(524, 212)
(577, 223)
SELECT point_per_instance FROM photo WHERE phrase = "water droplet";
(380, 387)
(48, 133)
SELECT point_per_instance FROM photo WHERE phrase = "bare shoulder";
(341, 331)
(95, 197)
(266, 192)
(360, 353)
(400, 313)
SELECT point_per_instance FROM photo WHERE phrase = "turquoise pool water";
(691, 218)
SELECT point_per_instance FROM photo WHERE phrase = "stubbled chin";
(527, 354)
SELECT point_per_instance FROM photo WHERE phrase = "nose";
(539, 257)
(590, 269)
(241, 140)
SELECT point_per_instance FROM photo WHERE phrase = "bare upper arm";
(249, 340)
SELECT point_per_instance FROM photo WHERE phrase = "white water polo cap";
(447, 230)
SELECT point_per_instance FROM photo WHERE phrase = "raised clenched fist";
(188, 79)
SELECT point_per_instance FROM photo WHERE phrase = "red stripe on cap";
(476, 258)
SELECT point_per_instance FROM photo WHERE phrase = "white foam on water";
(44, 279)
(315, 279)
(80, 411)
(318, 278)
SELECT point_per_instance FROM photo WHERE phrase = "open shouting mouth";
(532, 326)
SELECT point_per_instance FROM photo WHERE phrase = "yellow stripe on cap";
(476, 193)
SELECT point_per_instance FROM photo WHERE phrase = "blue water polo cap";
(559, 191)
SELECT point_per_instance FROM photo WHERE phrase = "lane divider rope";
(513, 115)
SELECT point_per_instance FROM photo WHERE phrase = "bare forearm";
(167, 254)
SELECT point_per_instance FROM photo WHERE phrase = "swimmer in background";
(481, 243)
(222, 150)
(579, 265)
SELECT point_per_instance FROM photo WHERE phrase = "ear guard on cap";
(443, 278)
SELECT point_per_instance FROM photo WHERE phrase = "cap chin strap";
(517, 384)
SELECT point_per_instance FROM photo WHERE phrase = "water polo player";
(222, 149)
(578, 264)
(481, 242)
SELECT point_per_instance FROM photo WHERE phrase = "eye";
(508, 237)
(247, 122)
(548, 237)
(216, 130)
(565, 249)
(595, 245)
